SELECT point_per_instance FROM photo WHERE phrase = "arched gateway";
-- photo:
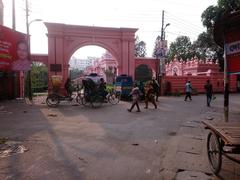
(64, 40)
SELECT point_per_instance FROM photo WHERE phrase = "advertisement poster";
(161, 49)
(13, 50)
(233, 52)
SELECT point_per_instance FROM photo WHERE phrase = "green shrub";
(110, 88)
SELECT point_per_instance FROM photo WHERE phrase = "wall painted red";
(177, 83)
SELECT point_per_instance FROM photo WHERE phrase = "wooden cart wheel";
(214, 151)
(52, 100)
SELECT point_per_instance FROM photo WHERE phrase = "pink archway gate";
(64, 40)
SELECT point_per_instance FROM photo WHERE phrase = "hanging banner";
(13, 50)
(161, 49)
(232, 48)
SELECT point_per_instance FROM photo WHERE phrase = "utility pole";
(1, 12)
(27, 14)
(161, 57)
(13, 15)
(162, 30)
(226, 85)
(160, 54)
(29, 79)
(14, 28)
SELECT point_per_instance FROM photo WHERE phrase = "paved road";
(75, 142)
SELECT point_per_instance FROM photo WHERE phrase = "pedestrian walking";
(188, 89)
(150, 96)
(135, 93)
(209, 92)
(156, 88)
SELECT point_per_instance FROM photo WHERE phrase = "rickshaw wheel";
(114, 98)
(85, 102)
(52, 100)
(79, 99)
(214, 151)
(97, 101)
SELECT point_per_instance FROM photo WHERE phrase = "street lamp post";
(29, 49)
(162, 52)
(29, 58)
(168, 24)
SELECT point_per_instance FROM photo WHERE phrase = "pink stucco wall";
(193, 67)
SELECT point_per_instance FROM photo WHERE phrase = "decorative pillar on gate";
(127, 56)
(56, 64)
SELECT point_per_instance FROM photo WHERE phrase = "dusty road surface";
(108, 143)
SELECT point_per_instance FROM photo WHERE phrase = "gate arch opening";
(93, 59)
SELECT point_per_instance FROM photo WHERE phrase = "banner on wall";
(13, 50)
(233, 52)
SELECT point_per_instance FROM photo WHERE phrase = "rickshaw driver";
(102, 88)
(68, 87)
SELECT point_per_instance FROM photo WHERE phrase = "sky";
(184, 17)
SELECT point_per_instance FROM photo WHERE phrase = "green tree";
(213, 13)
(143, 73)
(205, 44)
(154, 54)
(228, 6)
(181, 48)
(140, 48)
(206, 48)
(209, 17)
(39, 75)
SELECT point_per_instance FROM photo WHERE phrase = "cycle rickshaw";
(90, 95)
(55, 97)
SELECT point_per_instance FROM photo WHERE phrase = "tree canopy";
(205, 42)
(39, 75)
(154, 54)
(204, 47)
(181, 49)
(140, 48)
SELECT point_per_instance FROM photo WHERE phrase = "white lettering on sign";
(233, 48)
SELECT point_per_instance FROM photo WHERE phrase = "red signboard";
(233, 52)
(8, 47)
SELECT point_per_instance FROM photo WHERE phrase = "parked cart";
(223, 139)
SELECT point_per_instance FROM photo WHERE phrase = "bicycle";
(114, 97)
